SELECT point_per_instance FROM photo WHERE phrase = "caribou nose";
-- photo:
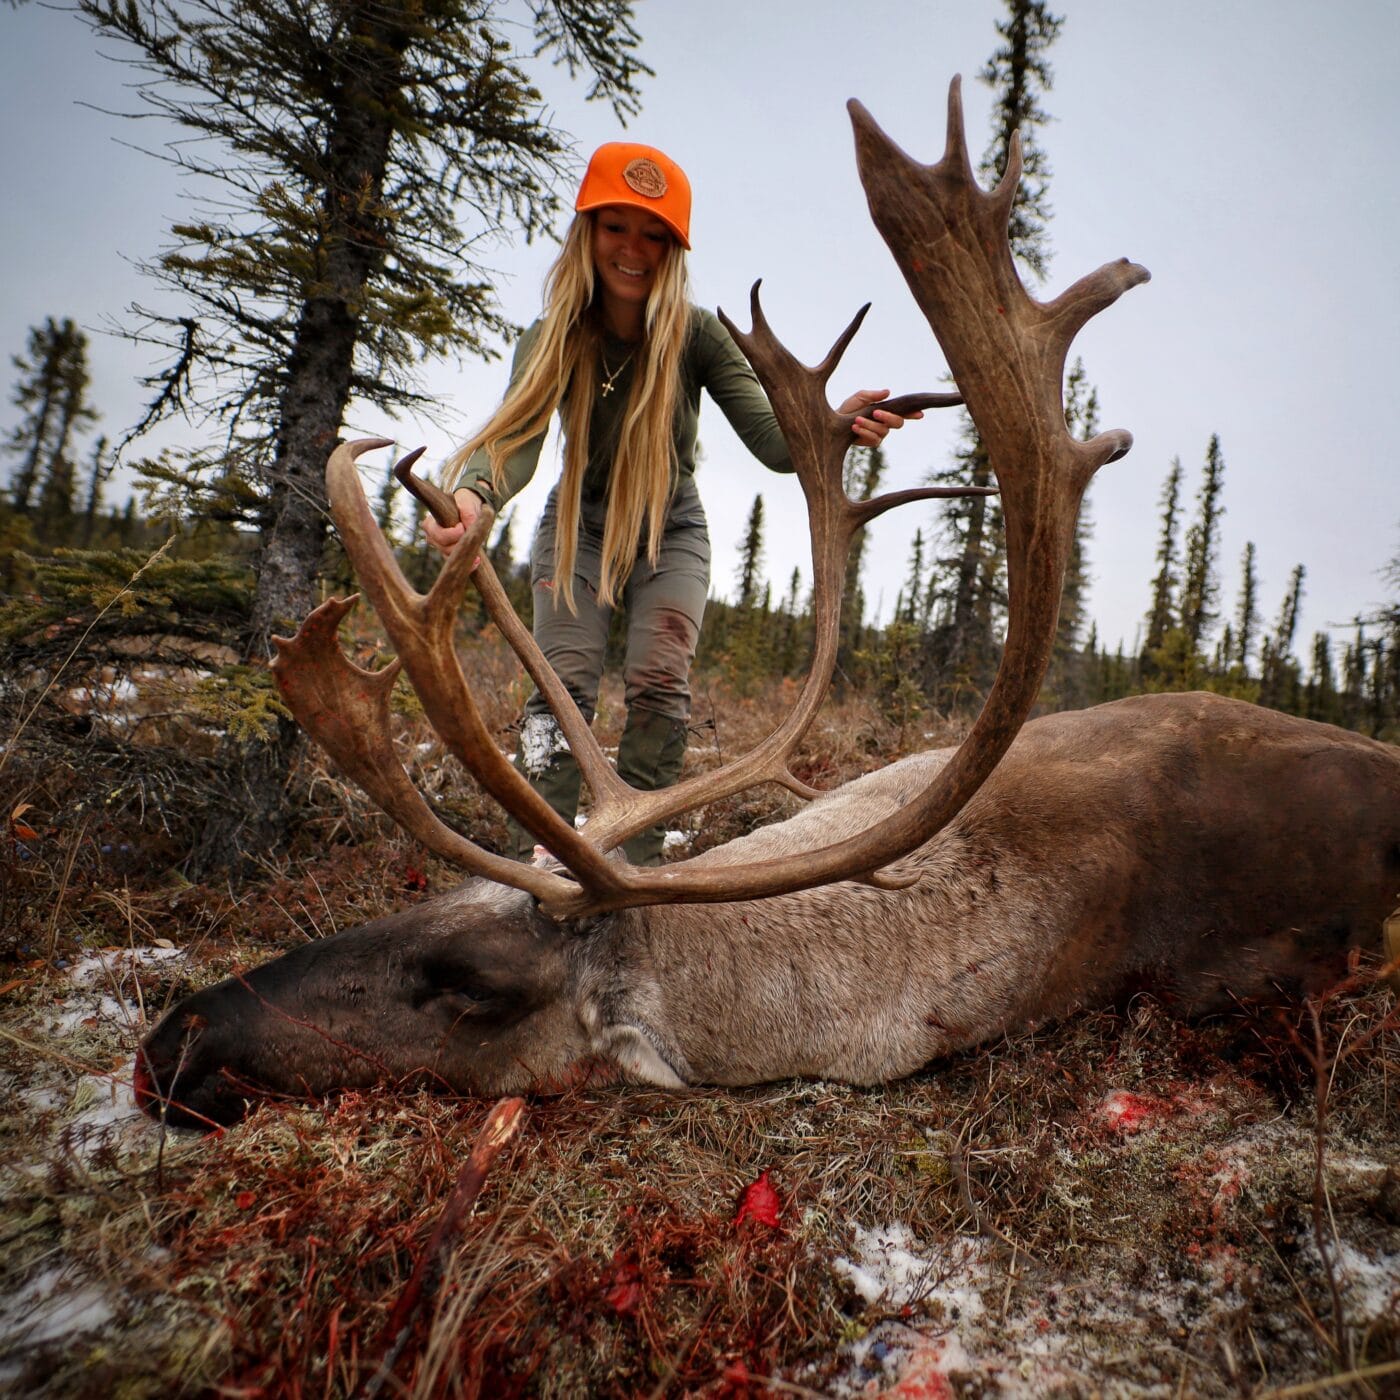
(143, 1085)
(166, 1082)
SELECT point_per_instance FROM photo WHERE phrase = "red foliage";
(1131, 1113)
(622, 1285)
(760, 1203)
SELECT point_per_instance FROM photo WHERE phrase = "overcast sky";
(1243, 151)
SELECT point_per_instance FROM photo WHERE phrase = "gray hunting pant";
(665, 606)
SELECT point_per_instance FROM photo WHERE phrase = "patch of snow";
(1369, 1279)
(893, 1269)
(102, 1105)
(109, 962)
(943, 1334)
(98, 981)
(98, 1110)
(913, 1363)
(540, 740)
(52, 1304)
(676, 841)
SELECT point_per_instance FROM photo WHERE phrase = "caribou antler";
(1007, 353)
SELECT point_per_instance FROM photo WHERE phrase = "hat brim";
(646, 206)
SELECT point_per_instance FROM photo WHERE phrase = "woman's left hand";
(870, 428)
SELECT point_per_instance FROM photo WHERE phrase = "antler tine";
(955, 143)
(346, 710)
(421, 629)
(1003, 197)
(757, 320)
(838, 348)
(876, 506)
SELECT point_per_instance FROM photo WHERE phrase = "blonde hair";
(563, 367)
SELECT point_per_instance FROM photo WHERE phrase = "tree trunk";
(311, 407)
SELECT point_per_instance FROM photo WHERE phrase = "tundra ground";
(1122, 1205)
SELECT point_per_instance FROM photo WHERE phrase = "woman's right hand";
(445, 537)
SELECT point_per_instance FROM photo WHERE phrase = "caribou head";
(917, 910)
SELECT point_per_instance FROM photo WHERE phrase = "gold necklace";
(611, 379)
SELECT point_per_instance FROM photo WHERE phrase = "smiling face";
(629, 247)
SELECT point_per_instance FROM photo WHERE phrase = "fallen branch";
(500, 1126)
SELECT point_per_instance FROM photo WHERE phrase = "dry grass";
(1123, 1205)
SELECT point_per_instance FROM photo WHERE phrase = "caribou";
(1204, 848)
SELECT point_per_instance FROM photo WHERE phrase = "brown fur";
(1200, 846)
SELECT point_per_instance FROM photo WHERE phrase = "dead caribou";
(1204, 847)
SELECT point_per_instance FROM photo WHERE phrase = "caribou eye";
(468, 996)
(471, 994)
(464, 1001)
(456, 983)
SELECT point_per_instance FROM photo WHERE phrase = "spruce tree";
(55, 511)
(971, 586)
(1065, 685)
(751, 556)
(912, 594)
(862, 473)
(1279, 680)
(338, 150)
(791, 649)
(52, 392)
(1082, 420)
(387, 501)
(1288, 613)
(1018, 72)
(1246, 613)
(100, 468)
(1162, 614)
(749, 642)
(1201, 587)
(1320, 695)
(1390, 622)
(1353, 687)
(970, 527)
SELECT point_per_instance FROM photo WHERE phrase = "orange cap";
(622, 172)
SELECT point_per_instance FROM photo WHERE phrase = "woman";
(623, 356)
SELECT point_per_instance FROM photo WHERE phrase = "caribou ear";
(588, 925)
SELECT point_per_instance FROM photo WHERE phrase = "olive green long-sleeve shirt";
(711, 361)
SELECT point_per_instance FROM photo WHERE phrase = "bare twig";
(500, 1126)
(1323, 1066)
(71, 855)
(1361, 1376)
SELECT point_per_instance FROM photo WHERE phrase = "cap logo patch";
(645, 177)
